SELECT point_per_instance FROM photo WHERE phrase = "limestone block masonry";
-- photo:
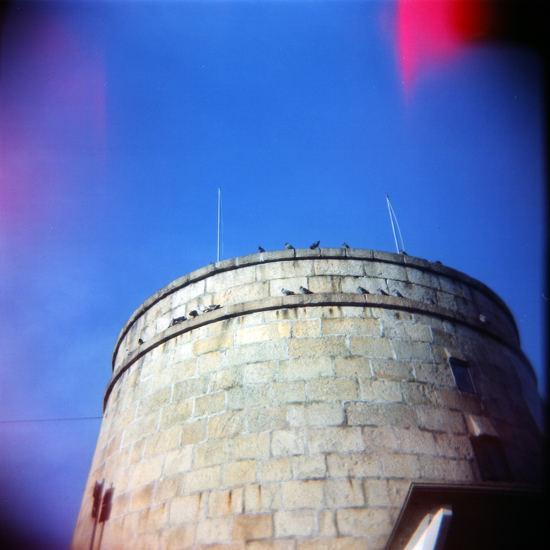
(298, 422)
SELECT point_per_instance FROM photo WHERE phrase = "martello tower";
(337, 419)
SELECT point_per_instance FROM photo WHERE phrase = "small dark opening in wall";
(491, 458)
(461, 373)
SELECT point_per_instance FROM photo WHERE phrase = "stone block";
(400, 466)
(266, 419)
(412, 351)
(413, 441)
(440, 420)
(381, 439)
(386, 414)
(259, 373)
(203, 479)
(435, 468)
(287, 443)
(347, 267)
(453, 446)
(352, 465)
(146, 471)
(380, 391)
(220, 341)
(283, 270)
(440, 375)
(213, 530)
(180, 354)
(364, 522)
(242, 294)
(234, 277)
(305, 368)
(142, 497)
(308, 467)
(283, 544)
(318, 347)
(152, 403)
(392, 370)
(168, 488)
(332, 390)
(252, 527)
(153, 518)
(256, 395)
(209, 404)
(176, 413)
(261, 333)
(178, 537)
(371, 347)
(140, 428)
(190, 388)
(254, 353)
(226, 425)
(177, 461)
(325, 284)
(275, 469)
(325, 414)
(418, 394)
(241, 473)
(255, 445)
(288, 392)
(344, 493)
(385, 270)
(352, 367)
(303, 494)
(226, 379)
(377, 493)
(335, 439)
(193, 432)
(294, 523)
(301, 329)
(452, 398)
(162, 441)
(211, 453)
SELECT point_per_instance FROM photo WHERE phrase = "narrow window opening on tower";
(462, 376)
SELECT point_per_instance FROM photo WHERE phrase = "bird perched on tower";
(383, 292)
(304, 290)
(286, 292)
(288, 246)
(194, 313)
(260, 249)
(344, 245)
(362, 290)
(315, 245)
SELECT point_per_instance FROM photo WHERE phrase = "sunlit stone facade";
(299, 422)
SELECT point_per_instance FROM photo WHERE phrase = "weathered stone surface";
(298, 422)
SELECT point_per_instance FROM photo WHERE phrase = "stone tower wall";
(298, 422)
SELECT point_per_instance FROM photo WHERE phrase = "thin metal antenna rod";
(219, 219)
(392, 218)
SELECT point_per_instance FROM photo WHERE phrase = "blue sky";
(119, 120)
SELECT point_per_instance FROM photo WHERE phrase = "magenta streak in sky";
(432, 32)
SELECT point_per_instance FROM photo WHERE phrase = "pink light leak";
(52, 114)
(430, 33)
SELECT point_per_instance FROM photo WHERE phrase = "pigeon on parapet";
(289, 246)
(383, 292)
(260, 249)
(286, 292)
(202, 308)
(141, 341)
(344, 245)
(304, 290)
(362, 290)
(193, 313)
(178, 320)
(315, 245)
(398, 294)
(403, 252)
(483, 319)
(212, 307)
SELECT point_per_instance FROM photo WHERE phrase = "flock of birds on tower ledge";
(205, 309)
